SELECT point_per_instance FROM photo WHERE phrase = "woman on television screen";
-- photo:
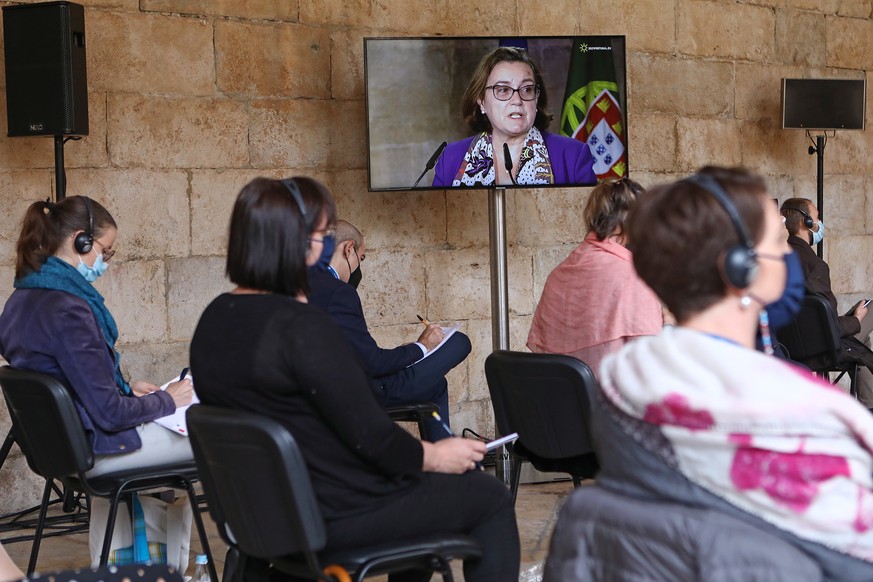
(505, 104)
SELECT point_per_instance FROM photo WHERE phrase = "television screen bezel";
(555, 107)
(811, 83)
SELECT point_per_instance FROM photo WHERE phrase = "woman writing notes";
(263, 349)
(505, 104)
(56, 322)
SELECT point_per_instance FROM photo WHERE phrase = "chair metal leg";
(201, 531)
(446, 570)
(853, 381)
(110, 526)
(515, 477)
(40, 525)
(7, 445)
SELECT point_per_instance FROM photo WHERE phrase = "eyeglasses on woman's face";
(107, 252)
(505, 92)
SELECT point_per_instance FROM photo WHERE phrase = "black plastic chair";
(50, 434)
(813, 340)
(543, 397)
(258, 491)
(417, 413)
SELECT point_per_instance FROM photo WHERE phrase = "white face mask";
(92, 273)
(818, 235)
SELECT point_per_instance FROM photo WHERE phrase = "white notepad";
(176, 421)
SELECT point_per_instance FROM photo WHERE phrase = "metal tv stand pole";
(499, 279)
(818, 149)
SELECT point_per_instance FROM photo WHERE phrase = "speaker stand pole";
(60, 178)
(818, 150)
(499, 280)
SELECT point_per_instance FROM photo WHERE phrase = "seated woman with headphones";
(263, 349)
(56, 322)
(696, 415)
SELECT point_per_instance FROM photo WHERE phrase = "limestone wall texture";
(189, 99)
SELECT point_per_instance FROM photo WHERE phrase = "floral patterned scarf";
(477, 167)
(772, 440)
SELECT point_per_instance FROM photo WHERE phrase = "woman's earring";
(745, 301)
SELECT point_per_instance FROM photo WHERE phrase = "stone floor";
(536, 509)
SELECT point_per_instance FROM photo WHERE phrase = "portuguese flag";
(592, 112)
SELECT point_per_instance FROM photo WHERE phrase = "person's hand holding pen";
(454, 455)
(181, 390)
(431, 336)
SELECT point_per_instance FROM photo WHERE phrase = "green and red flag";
(592, 111)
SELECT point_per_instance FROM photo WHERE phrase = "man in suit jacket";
(801, 220)
(399, 375)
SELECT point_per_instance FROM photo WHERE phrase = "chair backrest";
(256, 482)
(544, 398)
(814, 333)
(46, 423)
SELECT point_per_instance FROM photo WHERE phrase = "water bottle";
(201, 572)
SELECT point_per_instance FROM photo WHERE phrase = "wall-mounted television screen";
(484, 112)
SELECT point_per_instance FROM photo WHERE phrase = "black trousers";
(475, 504)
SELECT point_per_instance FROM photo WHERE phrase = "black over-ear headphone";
(808, 222)
(294, 189)
(84, 241)
(740, 261)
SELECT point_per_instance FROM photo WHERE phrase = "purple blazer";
(572, 162)
(56, 333)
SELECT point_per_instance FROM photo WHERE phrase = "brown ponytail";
(46, 225)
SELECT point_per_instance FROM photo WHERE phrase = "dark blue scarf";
(61, 276)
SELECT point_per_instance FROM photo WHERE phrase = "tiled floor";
(536, 509)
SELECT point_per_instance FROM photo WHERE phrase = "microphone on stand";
(507, 161)
(431, 162)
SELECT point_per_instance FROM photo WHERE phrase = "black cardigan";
(273, 355)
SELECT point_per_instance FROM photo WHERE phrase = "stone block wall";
(189, 99)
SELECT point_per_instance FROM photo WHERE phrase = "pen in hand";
(422, 320)
(439, 419)
(183, 374)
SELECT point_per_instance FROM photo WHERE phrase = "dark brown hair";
(678, 234)
(608, 206)
(269, 236)
(470, 109)
(46, 225)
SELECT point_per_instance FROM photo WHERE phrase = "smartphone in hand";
(502, 440)
(864, 302)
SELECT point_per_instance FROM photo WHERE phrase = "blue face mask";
(328, 246)
(782, 311)
(92, 273)
(818, 235)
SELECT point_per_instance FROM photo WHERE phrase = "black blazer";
(341, 301)
(818, 282)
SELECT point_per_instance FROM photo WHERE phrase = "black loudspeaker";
(46, 85)
(823, 103)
